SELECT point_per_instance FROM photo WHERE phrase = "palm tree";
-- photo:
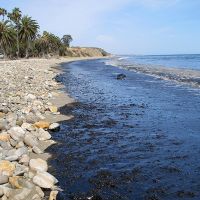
(3, 12)
(28, 31)
(15, 17)
(7, 36)
(67, 39)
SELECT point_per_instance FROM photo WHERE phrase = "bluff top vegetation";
(19, 37)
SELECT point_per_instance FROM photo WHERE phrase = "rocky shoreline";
(28, 115)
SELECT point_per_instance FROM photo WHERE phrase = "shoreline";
(29, 107)
(119, 132)
(178, 75)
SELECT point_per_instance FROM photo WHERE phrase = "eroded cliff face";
(86, 52)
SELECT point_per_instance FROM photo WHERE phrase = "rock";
(44, 180)
(30, 97)
(42, 124)
(28, 127)
(11, 117)
(21, 194)
(20, 170)
(30, 140)
(37, 150)
(5, 145)
(121, 76)
(1, 191)
(3, 124)
(39, 191)
(54, 127)
(17, 133)
(43, 135)
(4, 137)
(38, 165)
(14, 182)
(4, 110)
(36, 197)
(53, 195)
(12, 158)
(31, 118)
(13, 142)
(19, 144)
(2, 115)
(53, 109)
(6, 168)
(3, 179)
(6, 190)
(24, 159)
(19, 122)
(21, 151)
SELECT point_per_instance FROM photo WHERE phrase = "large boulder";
(30, 140)
(44, 180)
(38, 165)
(43, 135)
(17, 133)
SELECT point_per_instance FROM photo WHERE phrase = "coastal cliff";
(86, 52)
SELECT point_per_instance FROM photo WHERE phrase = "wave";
(183, 76)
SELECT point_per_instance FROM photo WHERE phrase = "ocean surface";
(183, 61)
(131, 139)
(180, 68)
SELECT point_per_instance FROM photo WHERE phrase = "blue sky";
(120, 26)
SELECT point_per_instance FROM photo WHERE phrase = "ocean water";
(184, 69)
(131, 139)
(186, 61)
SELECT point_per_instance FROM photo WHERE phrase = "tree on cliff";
(67, 39)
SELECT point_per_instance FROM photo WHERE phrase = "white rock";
(24, 159)
(54, 127)
(30, 140)
(30, 97)
(39, 191)
(43, 135)
(17, 133)
(37, 150)
(27, 126)
(44, 180)
(38, 165)
(19, 152)
(3, 180)
(12, 158)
